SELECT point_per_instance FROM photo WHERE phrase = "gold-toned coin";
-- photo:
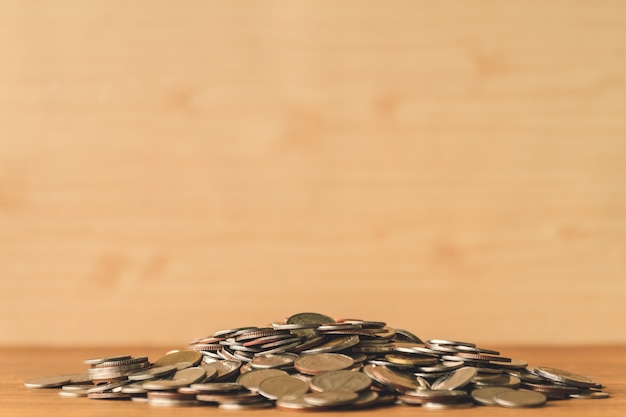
(279, 386)
(180, 356)
(322, 362)
(411, 359)
(252, 379)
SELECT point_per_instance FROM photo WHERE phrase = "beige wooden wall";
(168, 169)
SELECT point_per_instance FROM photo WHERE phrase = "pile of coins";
(312, 362)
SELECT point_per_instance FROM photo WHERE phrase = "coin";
(225, 369)
(330, 398)
(108, 396)
(273, 361)
(445, 406)
(296, 403)
(308, 318)
(340, 380)
(152, 373)
(564, 377)
(591, 395)
(423, 396)
(242, 407)
(500, 380)
(180, 379)
(253, 379)
(97, 361)
(217, 387)
(48, 382)
(335, 344)
(322, 362)
(519, 399)
(179, 356)
(485, 396)
(394, 380)
(455, 379)
(279, 386)
(410, 359)
(348, 363)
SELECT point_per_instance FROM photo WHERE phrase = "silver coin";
(408, 336)
(322, 362)
(225, 369)
(107, 387)
(73, 394)
(244, 406)
(97, 361)
(519, 399)
(455, 379)
(279, 386)
(334, 345)
(485, 396)
(273, 361)
(108, 396)
(366, 398)
(136, 388)
(499, 380)
(564, 377)
(590, 395)
(446, 406)
(48, 381)
(340, 380)
(152, 373)
(330, 398)
(217, 387)
(159, 402)
(449, 342)
(294, 403)
(77, 388)
(181, 378)
(422, 396)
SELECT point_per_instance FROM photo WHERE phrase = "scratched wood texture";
(169, 169)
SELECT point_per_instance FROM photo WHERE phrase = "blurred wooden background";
(169, 169)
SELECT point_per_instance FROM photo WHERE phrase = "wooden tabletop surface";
(604, 364)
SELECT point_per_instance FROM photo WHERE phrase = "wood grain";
(605, 364)
(454, 168)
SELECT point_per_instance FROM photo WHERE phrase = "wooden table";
(605, 364)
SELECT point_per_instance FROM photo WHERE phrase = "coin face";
(251, 380)
(308, 319)
(273, 361)
(455, 379)
(152, 373)
(225, 369)
(565, 377)
(519, 399)
(322, 362)
(341, 380)
(330, 398)
(394, 380)
(181, 356)
(48, 382)
(485, 396)
(335, 344)
(279, 386)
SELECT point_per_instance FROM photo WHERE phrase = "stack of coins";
(312, 362)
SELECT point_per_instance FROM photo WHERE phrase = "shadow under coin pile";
(313, 362)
